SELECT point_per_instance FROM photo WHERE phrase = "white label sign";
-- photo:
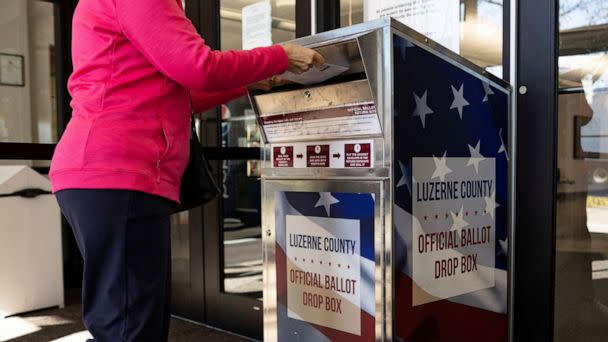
(453, 224)
(324, 271)
(257, 25)
(436, 19)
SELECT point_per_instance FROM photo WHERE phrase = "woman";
(117, 169)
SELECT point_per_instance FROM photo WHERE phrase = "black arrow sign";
(300, 156)
(337, 155)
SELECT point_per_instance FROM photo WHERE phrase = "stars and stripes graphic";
(444, 112)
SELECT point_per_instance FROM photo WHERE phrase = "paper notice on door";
(315, 75)
(436, 19)
(257, 25)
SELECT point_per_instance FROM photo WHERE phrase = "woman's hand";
(301, 59)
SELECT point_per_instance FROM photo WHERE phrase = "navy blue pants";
(124, 239)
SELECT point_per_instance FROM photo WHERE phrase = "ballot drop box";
(386, 193)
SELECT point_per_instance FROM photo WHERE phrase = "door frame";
(536, 51)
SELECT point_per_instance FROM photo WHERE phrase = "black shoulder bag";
(198, 185)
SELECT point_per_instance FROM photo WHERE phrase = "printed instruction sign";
(282, 156)
(436, 19)
(257, 25)
(357, 155)
(317, 156)
(350, 120)
(325, 266)
(453, 226)
(338, 154)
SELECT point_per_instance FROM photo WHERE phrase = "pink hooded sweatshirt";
(135, 64)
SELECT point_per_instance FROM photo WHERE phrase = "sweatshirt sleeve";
(160, 30)
(203, 101)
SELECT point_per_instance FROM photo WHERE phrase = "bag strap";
(192, 125)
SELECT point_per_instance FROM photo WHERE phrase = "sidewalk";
(65, 325)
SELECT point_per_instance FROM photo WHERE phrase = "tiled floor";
(65, 325)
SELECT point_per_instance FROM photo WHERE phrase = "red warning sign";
(282, 156)
(317, 156)
(357, 155)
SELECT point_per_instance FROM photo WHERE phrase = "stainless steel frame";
(513, 27)
(376, 47)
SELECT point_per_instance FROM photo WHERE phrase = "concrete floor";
(65, 325)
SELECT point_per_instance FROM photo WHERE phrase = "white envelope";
(315, 75)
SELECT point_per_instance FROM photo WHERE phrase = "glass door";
(581, 263)
(28, 78)
(187, 266)
(233, 233)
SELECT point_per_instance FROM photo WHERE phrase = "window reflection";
(241, 186)
(582, 13)
(27, 72)
(180, 250)
(581, 298)
(481, 29)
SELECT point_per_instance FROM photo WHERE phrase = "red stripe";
(444, 320)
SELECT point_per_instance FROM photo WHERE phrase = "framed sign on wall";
(12, 70)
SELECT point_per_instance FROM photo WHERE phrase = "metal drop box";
(387, 200)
